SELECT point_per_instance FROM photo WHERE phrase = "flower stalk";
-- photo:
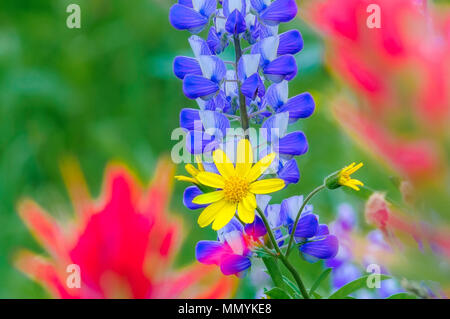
(282, 257)
(294, 228)
(242, 103)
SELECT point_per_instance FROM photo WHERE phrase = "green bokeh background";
(106, 92)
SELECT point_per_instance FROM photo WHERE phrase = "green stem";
(294, 228)
(284, 260)
(242, 103)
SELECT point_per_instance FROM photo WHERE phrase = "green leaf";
(295, 291)
(319, 280)
(316, 295)
(277, 293)
(402, 295)
(274, 272)
(353, 286)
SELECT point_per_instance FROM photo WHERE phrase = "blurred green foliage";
(106, 91)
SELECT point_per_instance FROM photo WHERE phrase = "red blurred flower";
(399, 73)
(124, 244)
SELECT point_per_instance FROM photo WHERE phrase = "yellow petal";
(249, 201)
(223, 163)
(209, 213)
(208, 198)
(191, 169)
(210, 179)
(355, 168)
(224, 215)
(185, 179)
(246, 215)
(260, 167)
(198, 160)
(267, 186)
(354, 183)
(244, 159)
(356, 188)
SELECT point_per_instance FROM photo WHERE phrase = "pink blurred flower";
(390, 221)
(124, 243)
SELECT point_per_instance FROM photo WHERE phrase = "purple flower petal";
(205, 7)
(279, 11)
(234, 264)
(187, 3)
(197, 141)
(294, 143)
(230, 5)
(276, 126)
(185, 18)
(346, 217)
(213, 67)
(215, 43)
(183, 66)
(209, 252)
(189, 194)
(300, 106)
(277, 95)
(253, 87)
(195, 86)
(233, 226)
(258, 5)
(290, 172)
(307, 226)
(274, 215)
(190, 119)
(290, 207)
(322, 230)
(199, 46)
(248, 65)
(256, 229)
(215, 123)
(324, 248)
(345, 274)
(235, 23)
(282, 68)
(291, 42)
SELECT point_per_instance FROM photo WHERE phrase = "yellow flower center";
(235, 189)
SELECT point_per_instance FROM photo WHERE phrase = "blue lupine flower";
(314, 239)
(261, 75)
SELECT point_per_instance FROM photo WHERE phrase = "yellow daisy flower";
(237, 186)
(343, 178)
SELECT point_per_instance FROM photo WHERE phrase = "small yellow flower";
(192, 171)
(237, 186)
(343, 178)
